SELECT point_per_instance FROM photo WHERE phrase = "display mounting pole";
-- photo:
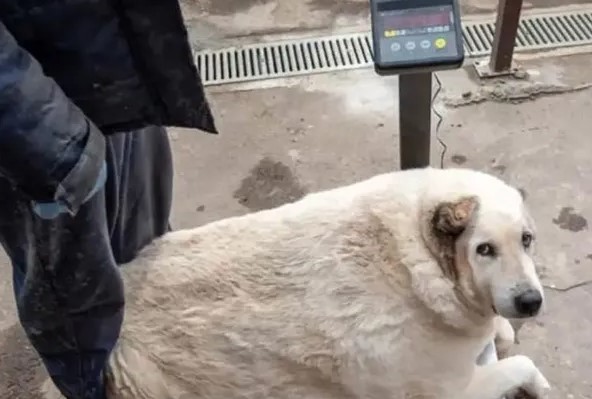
(415, 115)
(412, 39)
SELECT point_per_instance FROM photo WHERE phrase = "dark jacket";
(122, 64)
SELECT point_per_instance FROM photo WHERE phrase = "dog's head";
(486, 246)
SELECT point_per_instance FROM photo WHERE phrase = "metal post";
(415, 119)
(506, 28)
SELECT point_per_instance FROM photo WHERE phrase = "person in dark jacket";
(86, 87)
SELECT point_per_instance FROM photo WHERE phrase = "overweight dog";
(387, 288)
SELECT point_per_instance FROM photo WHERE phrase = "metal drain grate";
(351, 51)
(292, 58)
(536, 32)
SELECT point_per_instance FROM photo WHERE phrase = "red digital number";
(418, 20)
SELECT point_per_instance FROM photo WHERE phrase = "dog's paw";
(540, 387)
(519, 394)
(505, 337)
(535, 385)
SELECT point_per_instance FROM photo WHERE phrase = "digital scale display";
(409, 33)
(402, 20)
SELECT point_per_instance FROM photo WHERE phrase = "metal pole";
(415, 119)
(506, 27)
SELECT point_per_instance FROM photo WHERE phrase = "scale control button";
(425, 44)
(410, 45)
(440, 43)
(395, 46)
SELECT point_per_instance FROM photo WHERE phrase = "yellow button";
(440, 43)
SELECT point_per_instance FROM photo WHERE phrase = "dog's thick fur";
(369, 291)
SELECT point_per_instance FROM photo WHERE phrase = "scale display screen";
(419, 19)
(408, 33)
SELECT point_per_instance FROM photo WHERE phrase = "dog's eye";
(526, 240)
(486, 249)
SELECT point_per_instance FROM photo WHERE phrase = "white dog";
(388, 288)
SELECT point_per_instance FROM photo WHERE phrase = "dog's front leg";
(496, 380)
(505, 337)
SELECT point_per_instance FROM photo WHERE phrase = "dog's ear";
(451, 218)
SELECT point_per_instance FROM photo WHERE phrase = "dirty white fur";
(340, 295)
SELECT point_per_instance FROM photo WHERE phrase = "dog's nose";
(529, 302)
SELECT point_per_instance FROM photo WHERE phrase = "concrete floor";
(282, 139)
(220, 23)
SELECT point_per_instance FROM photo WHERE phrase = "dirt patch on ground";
(512, 92)
(570, 220)
(21, 372)
(268, 185)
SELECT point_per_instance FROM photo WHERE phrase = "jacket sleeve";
(48, 149)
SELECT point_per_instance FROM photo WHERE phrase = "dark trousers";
(68, 290)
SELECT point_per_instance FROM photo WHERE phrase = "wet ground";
(282, 139)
